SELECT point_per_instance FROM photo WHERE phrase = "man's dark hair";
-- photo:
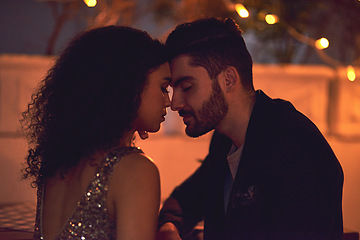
(213, 44)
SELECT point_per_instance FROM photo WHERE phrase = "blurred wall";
(19, 75)
(177, 155)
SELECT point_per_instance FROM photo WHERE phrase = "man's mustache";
(183, 113)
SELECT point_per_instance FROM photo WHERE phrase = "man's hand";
(143, 134)
(168, 231)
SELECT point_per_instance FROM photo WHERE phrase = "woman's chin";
(154, 130)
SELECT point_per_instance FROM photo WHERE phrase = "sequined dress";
(90, 219)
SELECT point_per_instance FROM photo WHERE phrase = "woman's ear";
(231, 78)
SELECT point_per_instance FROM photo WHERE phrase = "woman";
(92, 183)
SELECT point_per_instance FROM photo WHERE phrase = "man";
(269, 174)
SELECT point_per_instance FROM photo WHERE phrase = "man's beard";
(210, 114)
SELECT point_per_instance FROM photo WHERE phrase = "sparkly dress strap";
(112, 159)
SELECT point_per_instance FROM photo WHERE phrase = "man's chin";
(195, 132)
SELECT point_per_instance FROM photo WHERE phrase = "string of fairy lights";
(319, 44)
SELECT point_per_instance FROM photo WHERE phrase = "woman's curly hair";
(89, 98)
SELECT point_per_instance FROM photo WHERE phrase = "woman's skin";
(133, 197)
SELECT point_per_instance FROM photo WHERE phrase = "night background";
(45, 26)
(305, 51)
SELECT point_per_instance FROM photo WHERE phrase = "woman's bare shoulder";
(135, 179)
(134, 169)
(137, 163)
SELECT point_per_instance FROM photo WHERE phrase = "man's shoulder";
(266, 104)
(276, 111)
(277, 121)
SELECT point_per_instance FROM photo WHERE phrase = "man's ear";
(231, 78)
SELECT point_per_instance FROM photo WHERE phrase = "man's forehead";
(183, 65)
(183, 71)
(181, 61)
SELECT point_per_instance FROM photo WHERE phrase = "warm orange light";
(322, 43)
(271, 19)
(241, 10)
(90, 3)
(351, 73)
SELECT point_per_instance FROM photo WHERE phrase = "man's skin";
(192, 87)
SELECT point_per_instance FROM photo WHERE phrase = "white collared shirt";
(233, 158)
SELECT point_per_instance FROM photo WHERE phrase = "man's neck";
(235, 124)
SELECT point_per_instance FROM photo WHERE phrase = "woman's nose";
(167, 100)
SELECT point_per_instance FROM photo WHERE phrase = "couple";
(269, 174)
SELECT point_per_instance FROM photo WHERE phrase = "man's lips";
(184, 113)
(187, 116)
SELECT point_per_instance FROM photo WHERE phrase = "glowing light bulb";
(90, 3)
(271, 19)
(241, 10)
(351, 73)
(322, 43)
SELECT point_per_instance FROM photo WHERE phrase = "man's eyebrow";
(180, 80)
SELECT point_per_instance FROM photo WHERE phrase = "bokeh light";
(90, 3)
(271, 19)
(351, 75)
(322, 43)
(241, 10)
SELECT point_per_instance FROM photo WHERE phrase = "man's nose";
(177, 102)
